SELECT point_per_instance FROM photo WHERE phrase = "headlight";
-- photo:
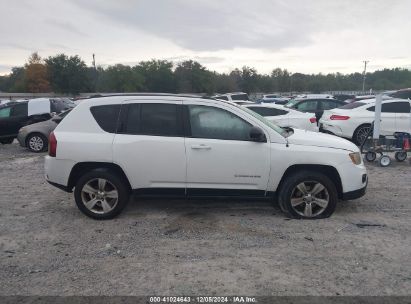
(356, 158)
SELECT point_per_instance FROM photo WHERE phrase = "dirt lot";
(47, 247)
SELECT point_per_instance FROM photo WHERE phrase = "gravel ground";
(177, 247)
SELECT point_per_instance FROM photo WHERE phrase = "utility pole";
(363, 75)
(95, 73)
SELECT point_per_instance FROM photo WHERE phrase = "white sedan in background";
(285, 117)
(353, 121)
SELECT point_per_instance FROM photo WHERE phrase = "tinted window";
(106, 116)
(268, 111)
(222, 97)
(306, 106)
(393, 107)
(5, 112)
(216, 123)
(406, 94)
(327, 104)
(239, 97)
(352, 105)
(19, 110)
(153, 119)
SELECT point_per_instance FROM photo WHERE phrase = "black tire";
(289, 187)
(370, 156)
(401, 156)
(7, 140)
(358, 136)
(115, 180)
(41, 142)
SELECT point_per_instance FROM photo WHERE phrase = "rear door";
(149, 146)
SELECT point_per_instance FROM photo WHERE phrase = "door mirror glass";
(257, 135)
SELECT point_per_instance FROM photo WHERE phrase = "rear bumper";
(61, 187)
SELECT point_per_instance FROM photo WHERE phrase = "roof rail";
(99, 95)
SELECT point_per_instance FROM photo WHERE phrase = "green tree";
(192, 77)
(120, 78)
(158, 76)
(68, 74)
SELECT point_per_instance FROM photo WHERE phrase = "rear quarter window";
(106, 116)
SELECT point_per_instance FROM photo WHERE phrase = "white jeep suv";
(190, 147)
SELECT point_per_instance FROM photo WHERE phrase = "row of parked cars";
(348, 116)
(31, 121)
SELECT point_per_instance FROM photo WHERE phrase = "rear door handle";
(200, 147)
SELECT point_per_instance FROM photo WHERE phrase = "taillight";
(313, 120)
(339, 117)
(52, 144)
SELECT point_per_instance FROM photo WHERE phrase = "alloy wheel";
(36, 143)
(99, 195)
(310, 198)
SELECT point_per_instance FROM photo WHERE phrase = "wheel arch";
(327, 170)
(81, 168)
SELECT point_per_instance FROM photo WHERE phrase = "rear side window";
(305, 106)
(352, 105)
(154, 119)
(393, 107)
(268, 111)
(239, 97)
(19, 110)
(106, 116)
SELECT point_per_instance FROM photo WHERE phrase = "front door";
(221, 159)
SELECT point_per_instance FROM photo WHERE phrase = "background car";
(35, 136)
(314, 105)
(15, 115)
(274, 98)
(286, 118)
(353, 121)
(239, 98)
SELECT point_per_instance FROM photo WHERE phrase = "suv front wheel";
(101, 194)
(308, 195)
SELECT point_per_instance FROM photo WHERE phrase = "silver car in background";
(35, 136)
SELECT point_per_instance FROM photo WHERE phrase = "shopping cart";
(399, 143)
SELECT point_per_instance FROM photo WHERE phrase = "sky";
(307, 36)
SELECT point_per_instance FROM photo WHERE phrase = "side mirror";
(257, 135)
(57, 119)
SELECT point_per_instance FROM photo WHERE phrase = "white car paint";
(154, 161)
(292, 118)
(390, 122)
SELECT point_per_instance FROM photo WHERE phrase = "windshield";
(269, 124)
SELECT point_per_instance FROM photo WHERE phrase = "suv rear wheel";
(101, 194)
(308, 195)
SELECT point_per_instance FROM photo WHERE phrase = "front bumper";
(354, 194)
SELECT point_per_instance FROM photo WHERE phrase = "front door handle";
(200, 147)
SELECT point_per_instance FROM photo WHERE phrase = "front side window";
(5, 112)
(307, 106)
(154, 119)
(216, 123)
